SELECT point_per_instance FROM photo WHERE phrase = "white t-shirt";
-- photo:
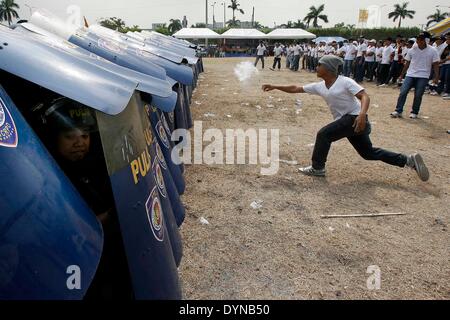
(350, 52)
(387, 52)
(361, 48)
(277, 52)
(421, 61)
(440, 49)
(340, 97)
(379, 52)
(371, 50)
(261, 50)
(297, 50)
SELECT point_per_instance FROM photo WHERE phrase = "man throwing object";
(349, 104)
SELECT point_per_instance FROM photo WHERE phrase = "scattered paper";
(425, 117)
(235, 93)
(280, 100)
(292, 163)
(204, 94)
(258, 107)
(198, 103)
(271, 98)
(204, 221)
(375, 106)
(208, 115)
(245, 104)
(257, 204)
(331, 229)
(284, 109)
(270, 106)
(229, 116)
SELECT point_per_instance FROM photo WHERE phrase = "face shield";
(70, 126)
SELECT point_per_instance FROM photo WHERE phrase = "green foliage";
(401, 12)
(7, 10)
(174, 26)
(438, 16)
(315, 14)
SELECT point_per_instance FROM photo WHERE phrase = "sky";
(268, 12)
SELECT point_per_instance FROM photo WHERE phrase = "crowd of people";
(421, 64)
(365, 60)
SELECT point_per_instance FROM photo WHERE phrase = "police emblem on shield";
(8, 130)
(155, 215)
(160, 156)
(162, 134)
(159, 178)
(166, 125)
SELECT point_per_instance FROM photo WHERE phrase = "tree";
(134, 28)
(235, 6)
(438, 16)
(113, 23)
(315, 14)
(401, 12)
(163, 29)
(257, 25)
(299, 25)
(233, 23)
(174, 26)
(7, 10)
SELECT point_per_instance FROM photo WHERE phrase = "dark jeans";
(444, 85)
(419, 85)
(296, 64)
(384, 73)
(277, 61)
(257, 60)
(343, 128)
(359, 69)
(348, 67)
(394, 72)
(370, 67)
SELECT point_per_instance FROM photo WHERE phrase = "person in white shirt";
(349, 104)
(441, 45)
(386, 61)
(277, 52)
(444, 85)
(397, 62)
(260, 53)
(296, 64)
(419, 62)
(360, 59)
(378, 58)
(350, 55)
(370, 59)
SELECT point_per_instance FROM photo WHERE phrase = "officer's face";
(74, 145)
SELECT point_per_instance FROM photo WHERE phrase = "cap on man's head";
(424, 35)
(331, 63)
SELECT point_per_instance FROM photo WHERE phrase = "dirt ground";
(285, 250)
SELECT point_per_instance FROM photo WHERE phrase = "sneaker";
(448, 131)
(310, 171)
(445, 95)
(416, 162)
(272, 69)
(413, 116)
(446, 98)
(382, 85)
(434, 93)
(396, 114)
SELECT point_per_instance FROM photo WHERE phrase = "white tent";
(243, 34)
(196, 33)
(290, 34)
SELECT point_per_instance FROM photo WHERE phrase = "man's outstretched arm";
(287, 89)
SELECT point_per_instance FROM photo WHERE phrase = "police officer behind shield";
(73, 137)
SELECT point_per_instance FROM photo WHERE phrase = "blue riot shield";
(50, 241)
(144, 222)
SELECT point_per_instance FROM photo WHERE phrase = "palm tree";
(438, 16)
(7, 10)
(175, 25)
(113, 23)
(235, 6)
(315, 14)
(401, 12)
